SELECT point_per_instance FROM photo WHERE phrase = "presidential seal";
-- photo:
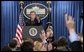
(32, 31)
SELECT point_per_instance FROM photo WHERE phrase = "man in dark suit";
(34, 20)
(75, 44)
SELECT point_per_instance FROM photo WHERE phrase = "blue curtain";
(10, 15)
(9, 20)
(59, 8)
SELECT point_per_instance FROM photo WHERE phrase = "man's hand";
(38, 18)
(71, 27)
(42, 35)
(70, 23)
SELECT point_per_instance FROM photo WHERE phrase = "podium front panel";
(32, 32)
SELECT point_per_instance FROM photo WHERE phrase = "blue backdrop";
(10, 15)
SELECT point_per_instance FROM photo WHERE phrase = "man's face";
(32, 15)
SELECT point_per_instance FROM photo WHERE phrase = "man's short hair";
(13, 43)
(27, 46)
(37, 45)
(62, 41)
(32, 12)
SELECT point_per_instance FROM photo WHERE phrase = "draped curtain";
(59, 8)
(9, 20)
(10, 15)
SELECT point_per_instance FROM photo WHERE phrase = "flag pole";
(21, 4)
(21, 19)
(49, 11)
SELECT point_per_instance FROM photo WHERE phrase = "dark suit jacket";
(33, 23)
(76, 46)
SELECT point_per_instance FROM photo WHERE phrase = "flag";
(19, 33)
(19, 28)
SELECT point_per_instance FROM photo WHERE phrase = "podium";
(32, 31)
